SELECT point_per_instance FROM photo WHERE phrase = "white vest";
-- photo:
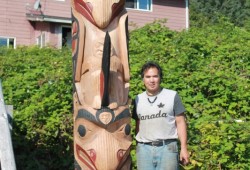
(157, 116)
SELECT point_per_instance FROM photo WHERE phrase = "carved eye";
(127, 129)
(81, 130)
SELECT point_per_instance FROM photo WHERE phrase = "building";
(48, 22)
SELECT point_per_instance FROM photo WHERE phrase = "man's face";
(152, 80)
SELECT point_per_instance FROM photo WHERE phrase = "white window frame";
(40, 40)
(9, 40)
(137, 7)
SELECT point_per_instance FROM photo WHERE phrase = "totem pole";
(102, 137)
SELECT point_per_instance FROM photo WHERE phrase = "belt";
(159, 142)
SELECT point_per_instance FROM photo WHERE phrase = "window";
(139, 4)
(8, 42)
(66, 36)
(40, 40)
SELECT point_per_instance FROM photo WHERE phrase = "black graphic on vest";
(161, 105)
(152, 116)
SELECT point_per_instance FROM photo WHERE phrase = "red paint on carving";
(101, 84)
(92, 154)
(78, 150)
(120, 154)
(85, 9)
(74, 34)
(116, 9)
(73, 45)
(74, 28)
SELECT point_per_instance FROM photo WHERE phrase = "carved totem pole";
(102, 137)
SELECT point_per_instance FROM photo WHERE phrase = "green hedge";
(209, 67)
(38, 83)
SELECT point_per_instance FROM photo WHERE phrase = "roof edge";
(47, 18)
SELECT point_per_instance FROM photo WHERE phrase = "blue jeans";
(157, 157)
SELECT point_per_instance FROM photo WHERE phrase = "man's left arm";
(182, 134)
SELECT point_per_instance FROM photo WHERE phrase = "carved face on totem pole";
(101, 80)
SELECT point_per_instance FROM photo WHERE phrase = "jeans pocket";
(172, 147)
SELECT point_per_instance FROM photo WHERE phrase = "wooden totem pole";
(102, 137)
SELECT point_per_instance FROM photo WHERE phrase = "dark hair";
(149, 65)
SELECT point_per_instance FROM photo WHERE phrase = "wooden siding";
(56, 8)
(15, 24)
(172, 10)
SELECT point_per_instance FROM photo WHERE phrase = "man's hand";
(184, 157)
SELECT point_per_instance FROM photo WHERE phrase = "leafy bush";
(38, 83)
(210, 69)
(203, 12)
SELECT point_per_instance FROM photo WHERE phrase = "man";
(160, 121)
